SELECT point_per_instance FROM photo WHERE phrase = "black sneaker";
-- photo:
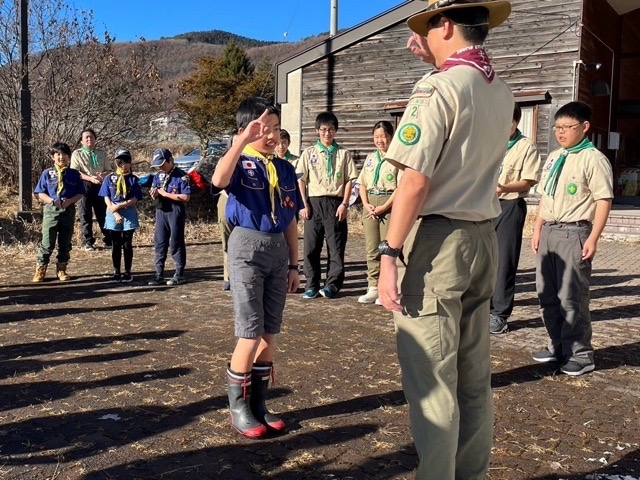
(126, 278)
(574, 368)
(176, 280)
(497, 325)
(328, 291)
(117, 278)
(157, 280)
(89, 247)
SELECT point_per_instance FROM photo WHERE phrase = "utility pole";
(333, 28)
(24, 151)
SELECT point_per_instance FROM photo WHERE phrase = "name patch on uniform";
(409, 134)
(572, 189)
(248, 164)
(423, 90)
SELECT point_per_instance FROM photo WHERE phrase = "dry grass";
(19, 237)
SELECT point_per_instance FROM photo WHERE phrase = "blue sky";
(260, 19)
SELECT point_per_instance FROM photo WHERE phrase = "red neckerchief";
(473, 56)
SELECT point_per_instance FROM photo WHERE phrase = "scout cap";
(160, 156)
(123, 154)
(499, 11)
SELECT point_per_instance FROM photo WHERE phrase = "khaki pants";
(375, 230)
(443, 345)
(225, 230)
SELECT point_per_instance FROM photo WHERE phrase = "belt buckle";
(375, 191)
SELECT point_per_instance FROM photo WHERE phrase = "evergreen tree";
(211, 95)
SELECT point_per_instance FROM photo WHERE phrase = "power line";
(277, 55)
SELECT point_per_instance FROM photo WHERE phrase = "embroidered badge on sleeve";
(409, 134)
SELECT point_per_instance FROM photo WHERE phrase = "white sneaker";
(378, 302)
(369, 297)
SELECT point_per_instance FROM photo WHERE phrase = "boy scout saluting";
(518, 173)
(576, 199)
(450, 144)
(325, 171)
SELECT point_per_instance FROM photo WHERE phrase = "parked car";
(190, 160)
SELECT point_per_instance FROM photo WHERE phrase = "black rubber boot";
(260, 383)
(239, 392)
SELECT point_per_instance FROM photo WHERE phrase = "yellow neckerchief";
(60, 171)
(121, 183)
(272, 176)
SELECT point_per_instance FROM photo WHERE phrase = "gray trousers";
(562, 283)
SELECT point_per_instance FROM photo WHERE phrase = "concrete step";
(623, 225)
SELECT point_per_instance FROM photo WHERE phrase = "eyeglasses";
(324, 130)
(564, 128)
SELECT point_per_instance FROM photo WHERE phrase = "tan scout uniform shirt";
(312, 164)
(440, 138)
(521, 162)
(81, 160)
(586, 177)
(388, 179)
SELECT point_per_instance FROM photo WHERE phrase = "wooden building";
(549, 53)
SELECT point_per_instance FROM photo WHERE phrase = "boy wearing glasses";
(576, 199)
(326, 171)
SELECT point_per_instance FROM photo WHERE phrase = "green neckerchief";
(552, 180)
(329, 156)
(376, 174)
(287, 156)
(92, 155)
(517, 136)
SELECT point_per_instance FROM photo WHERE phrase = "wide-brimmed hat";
(499, 11)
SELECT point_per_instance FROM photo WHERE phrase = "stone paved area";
(101, 381)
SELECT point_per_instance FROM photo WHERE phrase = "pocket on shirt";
(257, 185)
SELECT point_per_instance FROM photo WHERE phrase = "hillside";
(176, 57)
(220, 37)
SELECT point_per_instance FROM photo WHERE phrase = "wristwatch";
(385, 249)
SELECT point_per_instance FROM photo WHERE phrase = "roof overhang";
(624, 6)
(341, 41)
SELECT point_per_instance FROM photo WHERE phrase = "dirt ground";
(110, 381)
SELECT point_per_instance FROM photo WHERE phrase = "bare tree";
(76, 80)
